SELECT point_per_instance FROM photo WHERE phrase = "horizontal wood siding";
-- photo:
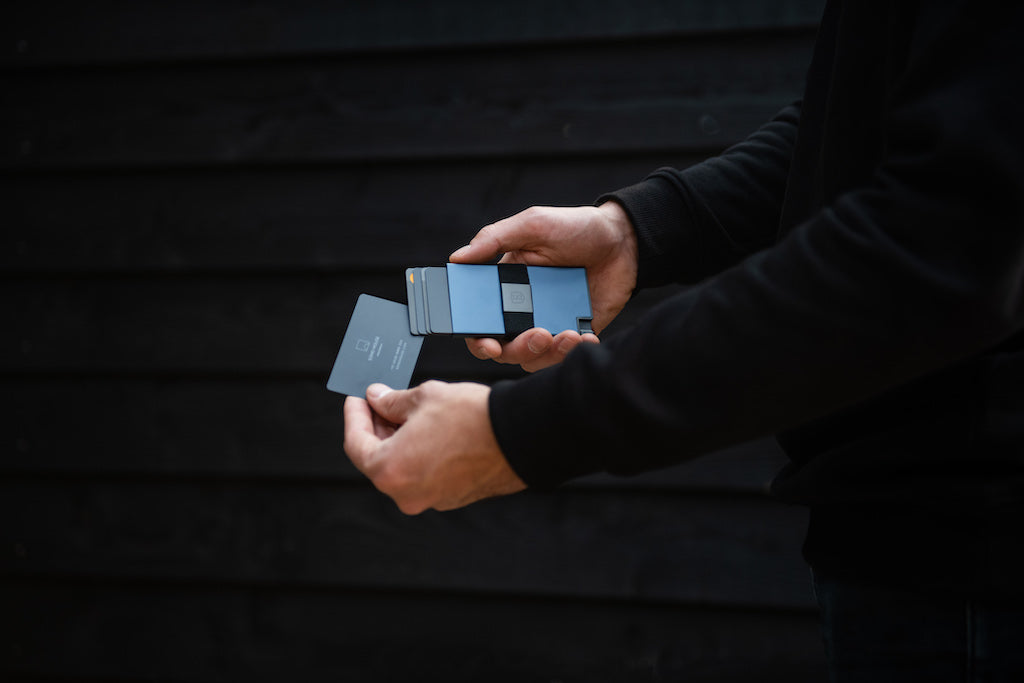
(348, 217)
(196, 193)
(594, 98)
(163, 633)
(600, 544)
(51, 32)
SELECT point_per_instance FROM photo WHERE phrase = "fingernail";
(377, 390)
(538, 343)
(459, 253)
(566, 345)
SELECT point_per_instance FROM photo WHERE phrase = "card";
(439, 311)
(410, 285)
(475, 294)
(502, 300)
(378, 347)
(560, 298)
(417, 302)
(422, 300)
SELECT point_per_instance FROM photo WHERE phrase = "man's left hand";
(428, 447)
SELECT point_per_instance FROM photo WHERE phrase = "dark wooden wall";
(193, 195)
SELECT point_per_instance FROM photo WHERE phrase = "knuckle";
(475, 348)
(397, 484)
(484, 233)
(392, 479)
(534, 213)
(430, 388)
(413, 396)
(490, 235)
(538, 219)
(351, 446)
(411, 507)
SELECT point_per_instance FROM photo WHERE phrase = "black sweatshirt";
(857, 267)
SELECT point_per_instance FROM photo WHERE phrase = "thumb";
(394, 406)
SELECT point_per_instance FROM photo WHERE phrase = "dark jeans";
(884, 634)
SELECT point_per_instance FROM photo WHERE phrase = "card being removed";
(378, 347)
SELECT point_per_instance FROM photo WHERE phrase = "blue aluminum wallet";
(500, 300)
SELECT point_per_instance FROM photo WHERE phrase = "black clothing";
(858, 267)
(884, 634)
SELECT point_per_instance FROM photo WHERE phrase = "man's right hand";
(601, 239)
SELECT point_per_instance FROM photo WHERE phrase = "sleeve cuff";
(534, 431)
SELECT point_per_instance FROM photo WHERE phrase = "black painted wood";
(251, 428)
(61, 32)
(196, 193)
(201, 324)
(663, 95)
(204, 324)
(148, 632)
(582, 544)
(359, 216)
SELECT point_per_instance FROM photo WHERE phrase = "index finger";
(509, 234)
(361, 440)
(484, 246)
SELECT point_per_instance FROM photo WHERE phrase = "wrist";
(626, 246)
(616, 217)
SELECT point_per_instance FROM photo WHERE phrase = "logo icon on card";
(362, 345)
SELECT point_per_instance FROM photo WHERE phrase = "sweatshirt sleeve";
(919, 267)
(694, 222)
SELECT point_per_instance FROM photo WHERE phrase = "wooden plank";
(362, 217)
(276, 428)
(56, 32)
(215, 427)
(682, 95)
(239, 324)
(660, 547)
(128, 633)
(202, 324)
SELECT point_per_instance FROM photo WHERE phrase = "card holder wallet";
(502, 300)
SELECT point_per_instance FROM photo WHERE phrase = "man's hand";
(601, 239)
(428, 447)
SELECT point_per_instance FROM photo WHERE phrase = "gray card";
(417, 302)
(410, 287)
(421, 300)
(435, 283)
(378, 347)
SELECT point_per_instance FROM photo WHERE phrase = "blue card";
(560, 299)
(475, 294)
(378, 347)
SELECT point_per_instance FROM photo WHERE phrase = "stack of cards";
(429, 307)
(384, 338)
(497, 300)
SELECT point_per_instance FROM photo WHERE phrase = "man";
(859, 290)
